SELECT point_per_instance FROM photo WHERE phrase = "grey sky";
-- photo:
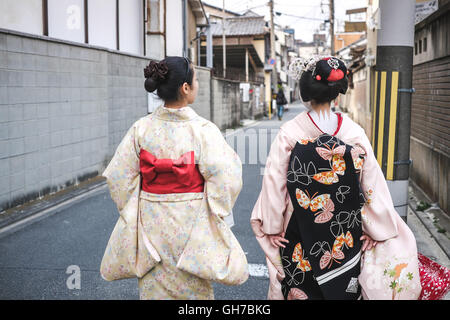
(304, 28)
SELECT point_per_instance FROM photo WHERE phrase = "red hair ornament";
(335, 75)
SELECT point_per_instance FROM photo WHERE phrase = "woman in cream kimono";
(324, 217)
(187, 172)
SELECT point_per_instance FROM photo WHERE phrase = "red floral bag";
(434, 278)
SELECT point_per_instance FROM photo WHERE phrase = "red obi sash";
(165, 176)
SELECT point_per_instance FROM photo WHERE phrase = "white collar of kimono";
(311, 129)
(171, 114)
(326, 121)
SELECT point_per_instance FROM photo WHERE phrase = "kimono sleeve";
(378, 212)
(122, 172)
(221, 168)
(268, 212)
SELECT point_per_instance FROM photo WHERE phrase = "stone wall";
(64, 107)
(226, 102)
(202, 104)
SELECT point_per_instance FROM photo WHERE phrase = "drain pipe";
(185, 28)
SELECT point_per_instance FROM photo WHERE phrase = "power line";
(256, 7)
(296, 5)
(240, 4)
(299, 17)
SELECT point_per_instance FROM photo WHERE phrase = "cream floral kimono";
(388, 271)
(168, 218)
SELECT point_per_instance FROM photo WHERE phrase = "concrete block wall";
(127, 98)
(226, 102)
(202, 103)
(218, 100)
(64, 107)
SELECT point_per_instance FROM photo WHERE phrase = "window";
(102, 23)
(415, 48)
(425, 44)
(24, 15)
(66, 20)
(420, 46)
(131, 25)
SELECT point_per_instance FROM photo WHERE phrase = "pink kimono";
(388, 271)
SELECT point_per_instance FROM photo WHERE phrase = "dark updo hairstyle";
(167, 76)
(325, 81)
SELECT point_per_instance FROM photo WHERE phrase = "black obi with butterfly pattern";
(322, 258)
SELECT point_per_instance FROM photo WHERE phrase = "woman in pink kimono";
(324, 217)
(178, 169)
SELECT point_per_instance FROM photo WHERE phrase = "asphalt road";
(42, 259)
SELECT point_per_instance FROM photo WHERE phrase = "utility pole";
(185, 28)
(209, 46)
(392, 107)
(272, 56)
(331, 4)
(224, 42)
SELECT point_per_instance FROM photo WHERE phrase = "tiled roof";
(242, 26)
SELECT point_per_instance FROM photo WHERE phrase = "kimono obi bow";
(165, 176)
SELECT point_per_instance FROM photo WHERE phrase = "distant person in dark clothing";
(281, 102)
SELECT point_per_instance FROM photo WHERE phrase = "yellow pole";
(270, 108)
(392, 127)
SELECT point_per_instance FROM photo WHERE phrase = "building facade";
(430, 106)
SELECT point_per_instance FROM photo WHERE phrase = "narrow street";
(37, 261)
(40, 259)
(75, 75)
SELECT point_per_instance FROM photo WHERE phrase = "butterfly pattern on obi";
(295, 276)
(305, 141)
(301, 173)
(347, 220)
(341, 193)
(299, 257)
(335, 254)
(321, 202)
(335, 155)
(297, 294)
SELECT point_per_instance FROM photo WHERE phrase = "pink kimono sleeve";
(269, 213)
(378, 213)
(273, 199)
(390, 270)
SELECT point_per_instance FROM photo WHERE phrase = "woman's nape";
(187, 94)
(319, 108)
